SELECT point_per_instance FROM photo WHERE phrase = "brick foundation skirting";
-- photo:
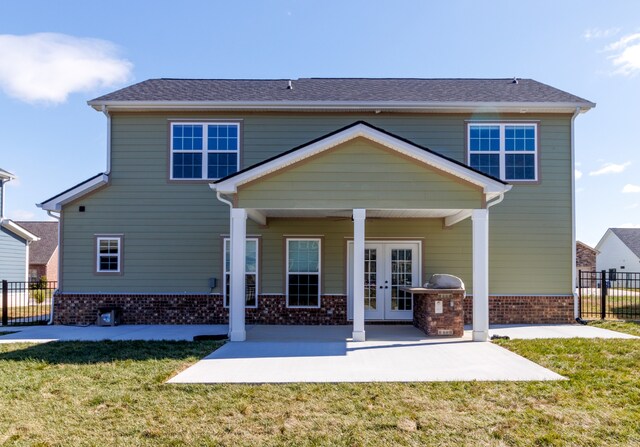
(193, 309)
(525, 309)
(209, 309)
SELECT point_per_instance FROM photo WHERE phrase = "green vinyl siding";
(173, 230)
(359, 174)
(13, 256)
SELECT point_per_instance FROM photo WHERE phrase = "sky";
(55, 56)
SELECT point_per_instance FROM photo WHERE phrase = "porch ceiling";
(346, 213)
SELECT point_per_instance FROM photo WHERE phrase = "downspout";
(2, 182)
(53, 297)
(576, 303)
(220, 198)
(495, 202)
(106, 113)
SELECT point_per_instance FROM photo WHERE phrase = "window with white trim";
(251, 272)
(303, 272)
(508, 151)
(108, 254)
(204, 150)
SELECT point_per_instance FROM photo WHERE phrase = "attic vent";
(515, 81)
(289, 86)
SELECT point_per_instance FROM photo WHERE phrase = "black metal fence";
(609, 295)
(26, 303)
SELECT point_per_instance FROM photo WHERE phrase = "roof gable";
(18, 230)
(629, 237)
(40, 252)
(490, 186)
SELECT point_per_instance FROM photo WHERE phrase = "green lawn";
(113, 393)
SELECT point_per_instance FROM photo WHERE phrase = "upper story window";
(505, 151)
(204, 150)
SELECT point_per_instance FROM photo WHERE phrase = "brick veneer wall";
(193, 309)
(209, 309)
(451, 320)
(585, 256)
(525, 309)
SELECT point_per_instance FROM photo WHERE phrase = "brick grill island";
(438, 312)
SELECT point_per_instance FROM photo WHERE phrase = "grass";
(617, 307)
(35, 312)
(114, 393)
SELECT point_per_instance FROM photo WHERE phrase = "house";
(14, 241)
(619, 250)
(319, 201)
(43, 254)
(585, 259)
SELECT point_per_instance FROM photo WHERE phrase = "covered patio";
(360, 172)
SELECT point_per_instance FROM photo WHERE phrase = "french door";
(388, 267)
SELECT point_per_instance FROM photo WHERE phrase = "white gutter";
(410, 106)
(53, 297)
(18, 230)
(576, 303)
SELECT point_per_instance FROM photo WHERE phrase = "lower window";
(303, 272)
(109, 254)
(250, 268)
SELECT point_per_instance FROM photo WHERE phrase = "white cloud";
(629, 225)
(625, 55)
(631, 188)
(598, 33)
(22, 215)
(578, 174)
(632, 206)
(611, 168)
(47, 67)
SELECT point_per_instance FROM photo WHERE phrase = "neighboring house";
(317, 201)
(43, 254)
(585, 262)
(14, 240)
(619, 249)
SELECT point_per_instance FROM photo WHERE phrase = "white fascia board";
(19, 231)
(458, 217)
(489, 186)
(412, 106)
(57, 202)
(6, 175)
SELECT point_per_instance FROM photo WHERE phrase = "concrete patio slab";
(277, 354)
(531, 331)
(45, 334)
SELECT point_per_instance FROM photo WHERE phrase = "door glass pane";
(370, 279)
(401, 276)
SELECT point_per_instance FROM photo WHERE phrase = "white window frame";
(502, 153)
(205, 149)
(226, 241)
(118, 239)
(319, 272)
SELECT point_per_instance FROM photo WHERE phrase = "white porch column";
(480, 232)
(359, 216)
(238, 252)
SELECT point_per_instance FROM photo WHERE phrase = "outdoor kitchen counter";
(438, 312)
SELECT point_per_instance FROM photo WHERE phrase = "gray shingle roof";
(630, 237)
(41, 251)
(343, 89)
